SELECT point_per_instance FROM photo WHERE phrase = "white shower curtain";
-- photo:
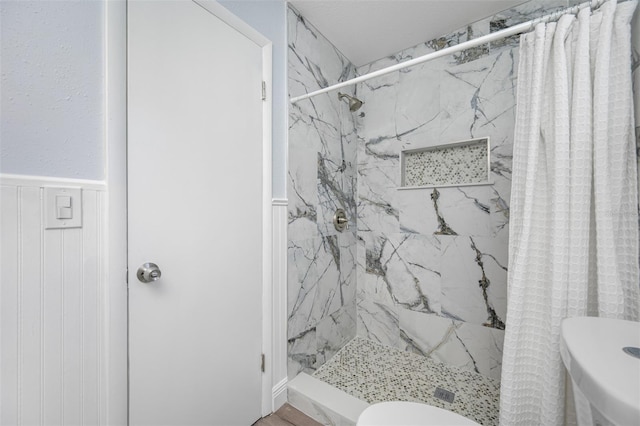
(573, 249)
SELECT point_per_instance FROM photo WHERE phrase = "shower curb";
(323, 402)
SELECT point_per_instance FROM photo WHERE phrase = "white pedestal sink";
(602, 372)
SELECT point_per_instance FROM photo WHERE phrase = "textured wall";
(322, 162)
(52, 88)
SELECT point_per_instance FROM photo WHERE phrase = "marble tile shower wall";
(432, 263)
(322, 178)
(430, 266)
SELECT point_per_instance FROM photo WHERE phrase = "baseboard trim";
(279, 305)
(279, 394)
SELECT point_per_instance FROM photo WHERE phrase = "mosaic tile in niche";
(456, 164)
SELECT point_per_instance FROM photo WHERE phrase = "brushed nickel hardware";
(354, 103)
(340, 221)
(149, 272)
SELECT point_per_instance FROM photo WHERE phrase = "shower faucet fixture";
(340, 221)
(354, 103)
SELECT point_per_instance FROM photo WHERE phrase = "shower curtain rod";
(516, 29)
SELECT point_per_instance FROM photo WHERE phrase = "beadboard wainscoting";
(279, 365)
(52, 301)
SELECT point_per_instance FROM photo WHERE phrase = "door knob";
(149, 272)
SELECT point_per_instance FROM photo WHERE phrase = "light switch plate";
(54, 201)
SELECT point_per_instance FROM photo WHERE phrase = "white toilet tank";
(394, 413)
(599, 356)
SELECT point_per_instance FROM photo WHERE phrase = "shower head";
(354, 103)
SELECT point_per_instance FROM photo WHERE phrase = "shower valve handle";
(340, 221)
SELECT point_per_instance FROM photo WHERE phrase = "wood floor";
(287, 416)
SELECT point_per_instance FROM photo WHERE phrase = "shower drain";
(444, 395)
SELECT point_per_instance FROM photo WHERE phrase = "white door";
(195, 201)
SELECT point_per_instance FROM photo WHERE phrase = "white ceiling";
(367, 30)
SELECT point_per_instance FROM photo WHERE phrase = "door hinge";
(264, 90)
(126, 276)
(262, 363)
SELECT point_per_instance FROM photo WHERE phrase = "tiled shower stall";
(422, 270)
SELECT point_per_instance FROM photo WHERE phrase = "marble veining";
(443, 228)
(404, 267)
(420, 270)
(433, 262)
(475, 293)
(322, 273)
(379, 321)
(493, 319)
(457, 343)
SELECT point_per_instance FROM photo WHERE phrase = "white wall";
(53, 363)
(52, 88)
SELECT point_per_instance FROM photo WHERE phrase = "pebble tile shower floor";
(376, 373)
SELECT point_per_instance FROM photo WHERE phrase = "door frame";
(116, 377)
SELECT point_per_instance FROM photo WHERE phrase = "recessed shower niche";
(453, 164)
